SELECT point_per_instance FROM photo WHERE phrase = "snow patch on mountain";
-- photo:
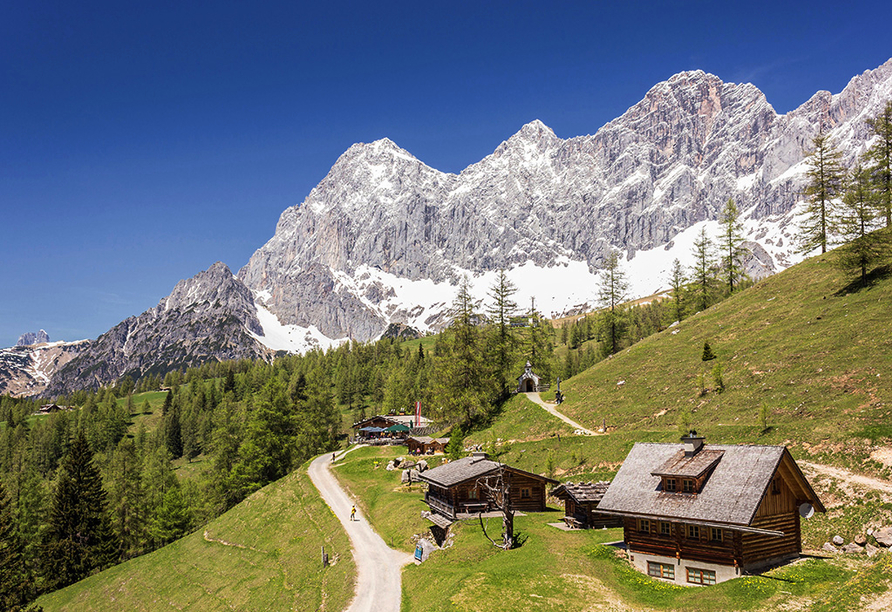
(290, 338)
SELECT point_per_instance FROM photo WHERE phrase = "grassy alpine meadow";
(559, 570)
(394, 509)
(804, 359)
(264, 554)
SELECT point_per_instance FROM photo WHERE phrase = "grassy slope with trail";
(816, 356)
(264, 554)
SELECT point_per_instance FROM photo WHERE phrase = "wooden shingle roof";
(683, 466)
(461, 470)
(582, 492)
(731, 494)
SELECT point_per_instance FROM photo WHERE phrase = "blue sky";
(140, 142)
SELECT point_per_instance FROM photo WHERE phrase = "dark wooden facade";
(528, 492)
(732, 545)
(424, 445)
(581, 505)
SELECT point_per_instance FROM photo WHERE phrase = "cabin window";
(644, 525)
(670, 485)
(525, 493)
(700, 576)
(665, 529)
(688, 485)
(715, 534)
(472, 494)
(661, 570)
(693, 532)
(775, 486)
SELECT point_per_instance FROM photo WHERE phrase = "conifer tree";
(826, 181)
(78, 538)
(611, 294)
(503, 345)
(15, 585)
(731, 239)
(880, 158)
(677, 282)
(703, 270)
(173, 519)
(864, 247)
(461, 387)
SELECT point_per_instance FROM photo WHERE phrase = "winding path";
(848, 476)
(378, 567)
(534, 397)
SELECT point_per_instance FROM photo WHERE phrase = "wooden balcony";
(440, 505)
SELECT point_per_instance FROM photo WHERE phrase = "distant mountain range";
(384, 238)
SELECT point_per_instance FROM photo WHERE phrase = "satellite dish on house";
(806, 510)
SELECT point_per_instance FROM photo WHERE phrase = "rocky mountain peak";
(30, 338)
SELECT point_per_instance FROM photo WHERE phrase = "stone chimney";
(692, 443)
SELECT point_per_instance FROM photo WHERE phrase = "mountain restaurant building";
(696, 514)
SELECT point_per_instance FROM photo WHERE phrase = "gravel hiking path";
(378, 567)
(534, 397)
(842, 474)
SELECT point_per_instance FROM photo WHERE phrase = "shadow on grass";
(873, 277)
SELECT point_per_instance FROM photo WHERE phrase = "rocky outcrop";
(26, 370)
(667, 164)
(30, 338)
(208, 317)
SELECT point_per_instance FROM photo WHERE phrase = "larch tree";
(879, 157)
(677, 282)
(864, 247)
(731, 240)
(826, 180)
(704, 265)
(503, 344)
(612, 293)
(461, 387)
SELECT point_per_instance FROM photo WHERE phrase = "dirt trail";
(534, 397)
(844, 474)
(378, 567)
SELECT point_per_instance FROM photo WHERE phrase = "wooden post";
(324, 558)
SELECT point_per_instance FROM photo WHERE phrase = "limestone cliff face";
(668, 163)
(208, 317)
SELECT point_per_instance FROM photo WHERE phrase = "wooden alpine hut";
(701, 514)
(453, 488)
(581, 505)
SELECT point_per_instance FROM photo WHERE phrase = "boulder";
(389, 467)
(871, 550)
(422, 465)
(829, 547)
(838, 540)
(883, 536)
(860, 539)
(851, 548)
(405, 464)
(405, 477)
(427, 547)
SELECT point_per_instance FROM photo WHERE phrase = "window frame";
(687, 485)
(716, 531)
(644, 526)
(665, 528)
(692, 532)
(665, 571)
(697, 575)
(526, 493)
(671, 485)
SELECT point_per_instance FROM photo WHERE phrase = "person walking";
(353, 513)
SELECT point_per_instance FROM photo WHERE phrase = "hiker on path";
(332, 457)
(353, 514)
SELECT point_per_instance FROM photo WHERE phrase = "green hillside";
(801, 348)
(264, 554)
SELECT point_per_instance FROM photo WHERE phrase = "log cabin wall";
(678, 543)
(534, 500)
(777, 511)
